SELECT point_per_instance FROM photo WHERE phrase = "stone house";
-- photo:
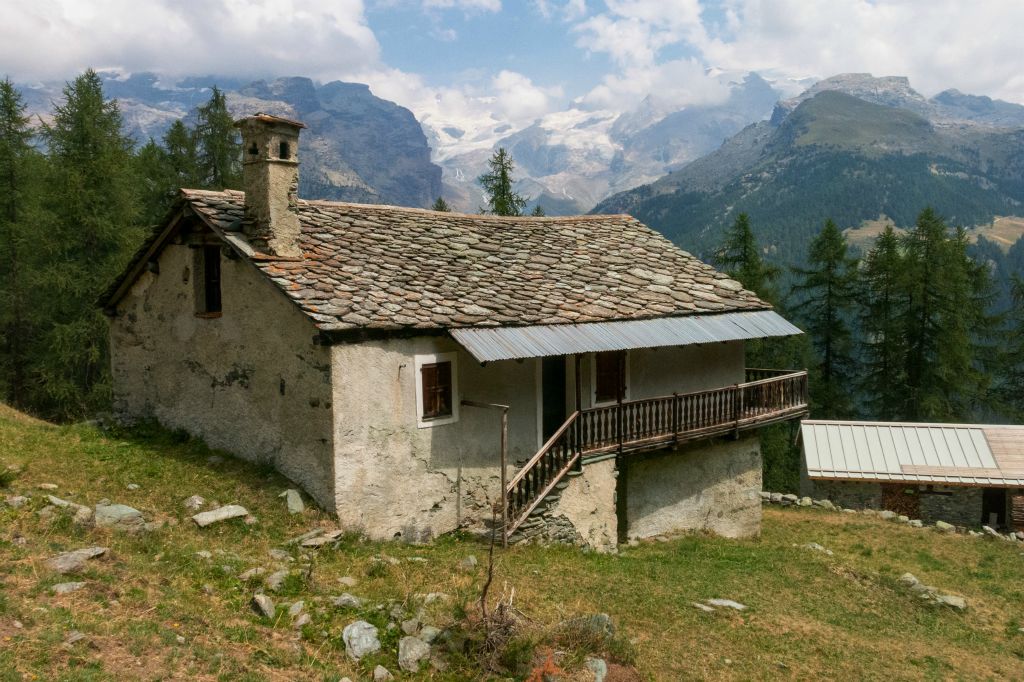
(413, 370)
(964, 474)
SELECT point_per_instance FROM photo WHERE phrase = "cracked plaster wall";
(250, 382)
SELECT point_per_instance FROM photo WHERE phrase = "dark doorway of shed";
(552, 394)
(993, 507)
(902, 499)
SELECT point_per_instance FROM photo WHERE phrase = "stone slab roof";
(386, 267)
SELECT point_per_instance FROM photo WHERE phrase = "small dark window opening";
(610, 376)
(211, 279)
(254, 150)
(437, 390)
(284, 151)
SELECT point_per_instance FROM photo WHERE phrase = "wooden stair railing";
(768, 395)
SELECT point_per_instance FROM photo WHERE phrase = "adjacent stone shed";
(965, 474)
(414, 370)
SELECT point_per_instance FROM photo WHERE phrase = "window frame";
(434, 359)
(594, 402)
(202, 280)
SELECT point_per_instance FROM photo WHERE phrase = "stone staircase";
(541, 525)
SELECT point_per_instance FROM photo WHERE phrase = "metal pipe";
(504, 461)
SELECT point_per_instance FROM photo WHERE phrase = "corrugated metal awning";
(958, 454)
(488, 344)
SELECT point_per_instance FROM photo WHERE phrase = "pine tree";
(497, 183)
(219, 148)
(20, 176)
(740, 257)
(93, 196)
(441, 205)
(164, 169)
(538, 211)
(883, 346)
(827, 293)
(1009, 389)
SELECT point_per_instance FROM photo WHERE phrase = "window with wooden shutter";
(436, 387)
(609, 376)
(207, 280)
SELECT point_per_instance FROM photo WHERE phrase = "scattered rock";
(428, 633)
(945, 527)
(728, 603)
(825, 504)
(916, 523)
(305, 536)
(231, 511)
(302, 621)
(802, 502)
(382, 674)
(776, 498)
(790, 498)
(194, 503)
(73, 562)
(179, 639)
(322, 539)
(903, 518)
(16, 501)
(468, 564)
(599, 624)
(263, 605)
(348, 581)
(952, 601)
(411, 626)
(296, 608)
(887, 514)
(412, 650)
(252, 573)
(598, 666)
(347, 601)
(65, 588)
(431, 597)
(119, 517)
(989, 530)
(48, 486)
(294, 500)
(280, 555)
(72, 638)
(417, 560)
(203, 554)
(909, 579)
(703, 607)
(275, 580)
(132, 486)
(360, 639)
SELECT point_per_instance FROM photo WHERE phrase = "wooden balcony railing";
(766, 397)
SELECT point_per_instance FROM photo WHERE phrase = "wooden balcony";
(767, 397)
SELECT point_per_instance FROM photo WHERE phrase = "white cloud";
(566, 10)
(312, 37)
(467, 5)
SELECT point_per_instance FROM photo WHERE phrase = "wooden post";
(504, 477)
(578, 427)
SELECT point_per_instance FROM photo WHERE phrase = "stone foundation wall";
(847, 494)
(962, 507)
(709, 486)
(588, 505)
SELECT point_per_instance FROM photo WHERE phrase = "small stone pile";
(791, 500)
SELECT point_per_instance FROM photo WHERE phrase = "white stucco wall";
(394, 479)
(713, 486)
(588, 503)
(250, 382)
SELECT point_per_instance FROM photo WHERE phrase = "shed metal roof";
(488, 344)
(961, 454)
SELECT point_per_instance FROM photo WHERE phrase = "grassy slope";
(811, 616)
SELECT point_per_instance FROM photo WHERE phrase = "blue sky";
(477, 62)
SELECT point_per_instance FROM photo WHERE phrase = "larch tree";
(497, 182)
(441, 205)
(94, 198)
(739, 256)
(883, 346)
(826, 294)
(219, 148)
(20, 213)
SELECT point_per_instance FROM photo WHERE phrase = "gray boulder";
(916, 523)
(263, 605)
(887, 515)
(276, 579)
(727, 603)
(65, 588)
(909, 579)
(360, 639)
(428, 633)
(599, 667)
(119, 517)
(412, 650)
(776, 498)
(945, 527)
(382, 674)
(231, 511)
(802, 502)
(294, 501)
(75, 561)
(347, 601)
(952, 601)
(194, 503)
(989, 530)
(16, 501)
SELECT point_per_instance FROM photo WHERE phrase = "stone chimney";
(270, 174)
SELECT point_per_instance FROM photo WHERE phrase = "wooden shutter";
(609, 375)
(436, 380)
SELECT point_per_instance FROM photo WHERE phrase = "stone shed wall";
(959, 505)
(713, 486)
(250, 382)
